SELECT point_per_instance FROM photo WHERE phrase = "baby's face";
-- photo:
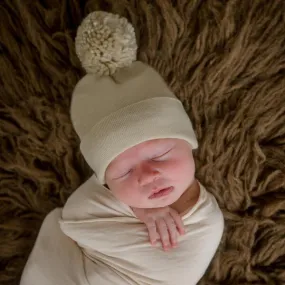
(136, 175)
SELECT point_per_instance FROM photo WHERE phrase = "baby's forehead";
(149, 148)
(155, 142)
(151, 145)
(146, 147)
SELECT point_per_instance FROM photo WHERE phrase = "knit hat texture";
(120, 102)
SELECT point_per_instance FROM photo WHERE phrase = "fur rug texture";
(225, 60)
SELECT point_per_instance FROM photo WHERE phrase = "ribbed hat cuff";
(154, 118)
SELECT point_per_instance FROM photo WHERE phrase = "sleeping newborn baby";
(106, 229)
(151, 176)
(136, 136)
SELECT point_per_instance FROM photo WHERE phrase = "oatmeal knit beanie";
(120, 102)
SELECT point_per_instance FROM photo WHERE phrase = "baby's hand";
(162, 223)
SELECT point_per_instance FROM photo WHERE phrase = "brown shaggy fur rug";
(225, 60)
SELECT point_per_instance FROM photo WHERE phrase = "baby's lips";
(156, 190)
(161, 192)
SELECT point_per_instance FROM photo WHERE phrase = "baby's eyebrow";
(165, 151)
(166, 147)
(117, 170)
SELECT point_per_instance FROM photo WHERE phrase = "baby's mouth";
(161, 193)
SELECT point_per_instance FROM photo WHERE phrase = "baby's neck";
(188, 199)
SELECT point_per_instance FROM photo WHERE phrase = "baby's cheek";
(181, 170)
(188, 174)
(190, 164)
(126, 193)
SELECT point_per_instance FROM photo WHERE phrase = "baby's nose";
(147, 174)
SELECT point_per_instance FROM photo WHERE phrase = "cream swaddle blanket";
(112, 246)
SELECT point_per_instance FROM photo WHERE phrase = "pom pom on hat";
(105, 43)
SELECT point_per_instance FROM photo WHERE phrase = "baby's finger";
(178, 221)
(172, 229)
(152, 232)
(163, 233)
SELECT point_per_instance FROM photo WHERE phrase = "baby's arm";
(162, 223)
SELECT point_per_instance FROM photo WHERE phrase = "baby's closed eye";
(124, 174)
(161, 156)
